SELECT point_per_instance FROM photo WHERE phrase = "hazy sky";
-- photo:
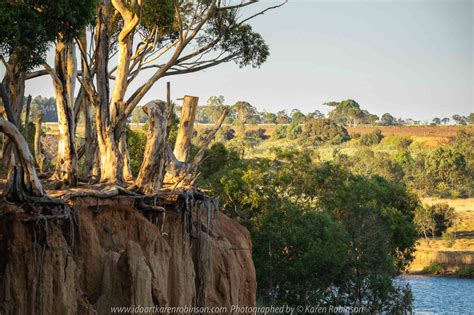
(410, 58)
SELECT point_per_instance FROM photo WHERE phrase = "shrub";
(397, 142)
(372, 138)
(449, 238)
(228, 133)
(404, 142)
(293, 131)
(443, 216)
(257, 134)
(318, 131)
(434, 269)
(279, 132)
(466, 271)
(435, 219)
(136, 141)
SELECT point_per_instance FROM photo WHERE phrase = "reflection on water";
(441, 295)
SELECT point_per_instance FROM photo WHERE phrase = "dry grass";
(417, 131)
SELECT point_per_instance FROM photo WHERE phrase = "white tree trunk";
(25, 180)
(151, 174)
(184, 174)
(91, 157)
(39, 156)
(186, 128)
(63, 81)
(127, 169)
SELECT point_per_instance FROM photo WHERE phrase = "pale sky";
(413, 59)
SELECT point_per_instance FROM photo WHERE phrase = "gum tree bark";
(40, 158)
(152, 171)
(25, 181)
(91, 157)
(184, 174)
(63, 75)
(186, 128)
(27, 117)
(127, 169)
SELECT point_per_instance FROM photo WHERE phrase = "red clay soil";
(113, 255)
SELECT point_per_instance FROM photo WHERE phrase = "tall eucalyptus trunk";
(64, 76)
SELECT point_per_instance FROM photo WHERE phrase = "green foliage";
(23, 33)
(226, 133)
(396, 142)
(159, 14)
(136, 141)
(237, 39)
(449, 238)
(316, 225)
(47, 106)
(279, 132)
(425, 222)
(388, 120)
(434, 220)
(466, 271)
(443, 217)
(319, 131)
(372, 138)
(256, 133)
(460, 120)
(215, 159)
(29, 26)
(296, 264)
(434, 269)
(297, 117)
(445, 168)
(291, 131)
(347, 112)
(269, 118)
(464, 143)
(138, 116)
(244, 110)
(368, 163)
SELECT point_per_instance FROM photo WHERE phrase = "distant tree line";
(347, 113)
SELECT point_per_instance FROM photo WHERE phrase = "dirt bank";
(115, 255)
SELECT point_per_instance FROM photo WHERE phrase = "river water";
(436, 295)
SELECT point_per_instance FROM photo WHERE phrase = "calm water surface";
(441, 295)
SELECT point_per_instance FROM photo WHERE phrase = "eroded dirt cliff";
(113, 254)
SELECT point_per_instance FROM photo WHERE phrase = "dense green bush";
(293, 131)
(369, 163)
(434, 219)
(316, 225)
(434, 269)
(136, 141)
(443, 216)
(318, 131)
(441, 172)
(466, 271)
(256, 133)
(396, 142)
(372, 138)
(279, 132)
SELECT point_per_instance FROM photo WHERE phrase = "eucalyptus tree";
(28, 27)
(76, 16)
(154, 39)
